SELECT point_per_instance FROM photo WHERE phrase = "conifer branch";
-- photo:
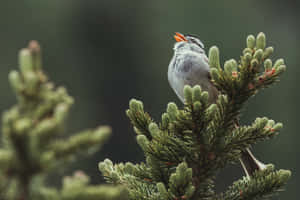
(262, 185)
(186, 150)
(32, 146)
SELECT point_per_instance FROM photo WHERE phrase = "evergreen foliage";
(189, 146)
(33, 144)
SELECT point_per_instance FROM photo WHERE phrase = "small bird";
(189, 66)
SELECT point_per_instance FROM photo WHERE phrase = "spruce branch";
(262, 185)
(32, 146)
(77, 187)
(186, 150)
(139, 118)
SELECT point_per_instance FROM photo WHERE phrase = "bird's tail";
(249, 163)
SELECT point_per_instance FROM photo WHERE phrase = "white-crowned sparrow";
(189, 66)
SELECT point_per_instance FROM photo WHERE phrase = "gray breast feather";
(188, 68)
(191, 67)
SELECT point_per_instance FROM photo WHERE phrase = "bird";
(190, 66)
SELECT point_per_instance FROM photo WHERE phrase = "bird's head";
(188, 42)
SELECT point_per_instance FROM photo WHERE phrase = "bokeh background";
(108, 51)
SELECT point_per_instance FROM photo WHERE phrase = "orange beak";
(179, 37)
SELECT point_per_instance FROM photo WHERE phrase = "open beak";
(179, 37)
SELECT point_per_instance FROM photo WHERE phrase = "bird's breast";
(188, 68)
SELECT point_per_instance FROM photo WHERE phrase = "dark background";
(108, 51)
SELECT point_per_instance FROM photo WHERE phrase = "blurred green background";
(108, 51)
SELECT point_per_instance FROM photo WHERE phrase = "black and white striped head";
(188, 42)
